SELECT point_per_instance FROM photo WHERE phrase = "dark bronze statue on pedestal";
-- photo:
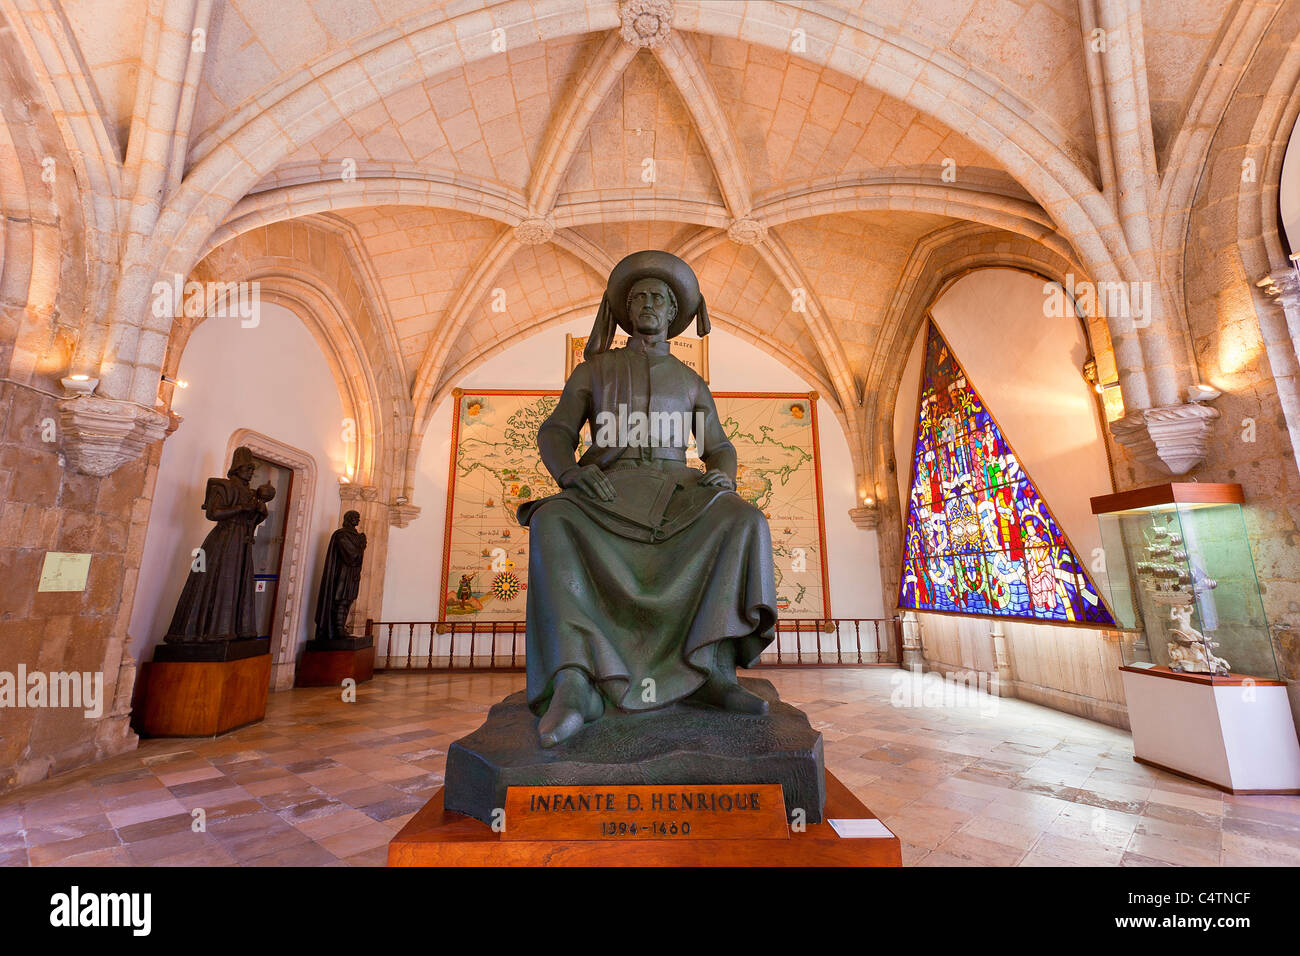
(340, 579)
(648, 581)
(216, 605)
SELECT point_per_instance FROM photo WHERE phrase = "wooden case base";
(331, 668)
(201, 698)
(438, 837)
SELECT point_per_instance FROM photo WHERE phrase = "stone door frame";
(293, 585)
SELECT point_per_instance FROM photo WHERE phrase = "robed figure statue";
(649, 581)
(216, 603)
(340, 579)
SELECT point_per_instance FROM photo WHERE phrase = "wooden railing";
(883, 637)
(499, 645)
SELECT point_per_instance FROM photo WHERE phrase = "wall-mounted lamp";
(1202, 393)
(400, 500)
(344, 480)
(80, 383)
(178, 382)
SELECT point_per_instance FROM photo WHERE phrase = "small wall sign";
(64, 571)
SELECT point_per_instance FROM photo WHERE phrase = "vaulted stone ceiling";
(456, 163)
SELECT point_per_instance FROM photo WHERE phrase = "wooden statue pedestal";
(439, 837)
(324, 665)
(201, 698)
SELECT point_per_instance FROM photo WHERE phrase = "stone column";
(1279, 323)
(913, 651)
(1001, 685)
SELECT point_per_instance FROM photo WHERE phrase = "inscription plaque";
(642, 813)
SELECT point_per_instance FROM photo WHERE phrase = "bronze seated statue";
(649, 581)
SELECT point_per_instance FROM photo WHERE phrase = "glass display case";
(1180, 578)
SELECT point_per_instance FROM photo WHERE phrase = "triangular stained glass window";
(980, 539)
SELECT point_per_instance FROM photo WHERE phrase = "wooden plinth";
(439, 837)
(331, 668)
(201, 698)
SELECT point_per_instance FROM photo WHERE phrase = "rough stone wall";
(1250, 443)
(44, 507)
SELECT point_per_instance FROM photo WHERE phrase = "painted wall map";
(980, 539)
(495, 467)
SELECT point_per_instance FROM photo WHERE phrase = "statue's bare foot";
(574, 703)
(730, 696)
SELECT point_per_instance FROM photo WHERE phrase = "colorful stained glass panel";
(980, 539)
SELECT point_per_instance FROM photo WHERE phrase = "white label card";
(860, 829)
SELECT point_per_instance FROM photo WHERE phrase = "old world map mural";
(495, 467)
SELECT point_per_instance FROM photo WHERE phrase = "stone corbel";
(1283, 286)
(1169, 439)
(100, 435)
(866, 517)
(348, 493)
(399, 516)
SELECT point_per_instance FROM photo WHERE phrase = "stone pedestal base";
(680, 744)
(438, 837)
(201, 698)
(329, 663)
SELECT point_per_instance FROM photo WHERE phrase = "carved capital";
(866, 517)
(534, 231)
(100, 435)
(1170, 439)
(353, 492)
(746, 231)
(399, 516)
(646, 23)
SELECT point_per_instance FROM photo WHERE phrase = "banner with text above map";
(495, 467)
(693, 353)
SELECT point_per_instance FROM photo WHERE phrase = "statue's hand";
(715, 477)
(591, 481)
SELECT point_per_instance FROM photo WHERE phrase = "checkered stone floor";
(322, 782)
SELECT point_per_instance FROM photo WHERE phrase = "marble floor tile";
(321, 782)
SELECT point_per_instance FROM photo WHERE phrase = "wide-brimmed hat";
(648, 264)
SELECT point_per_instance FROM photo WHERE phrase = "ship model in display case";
(1170, 578)
(1180, 578)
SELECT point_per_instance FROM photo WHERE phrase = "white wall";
(415, 552)
(1289, 191)
(272, 379)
